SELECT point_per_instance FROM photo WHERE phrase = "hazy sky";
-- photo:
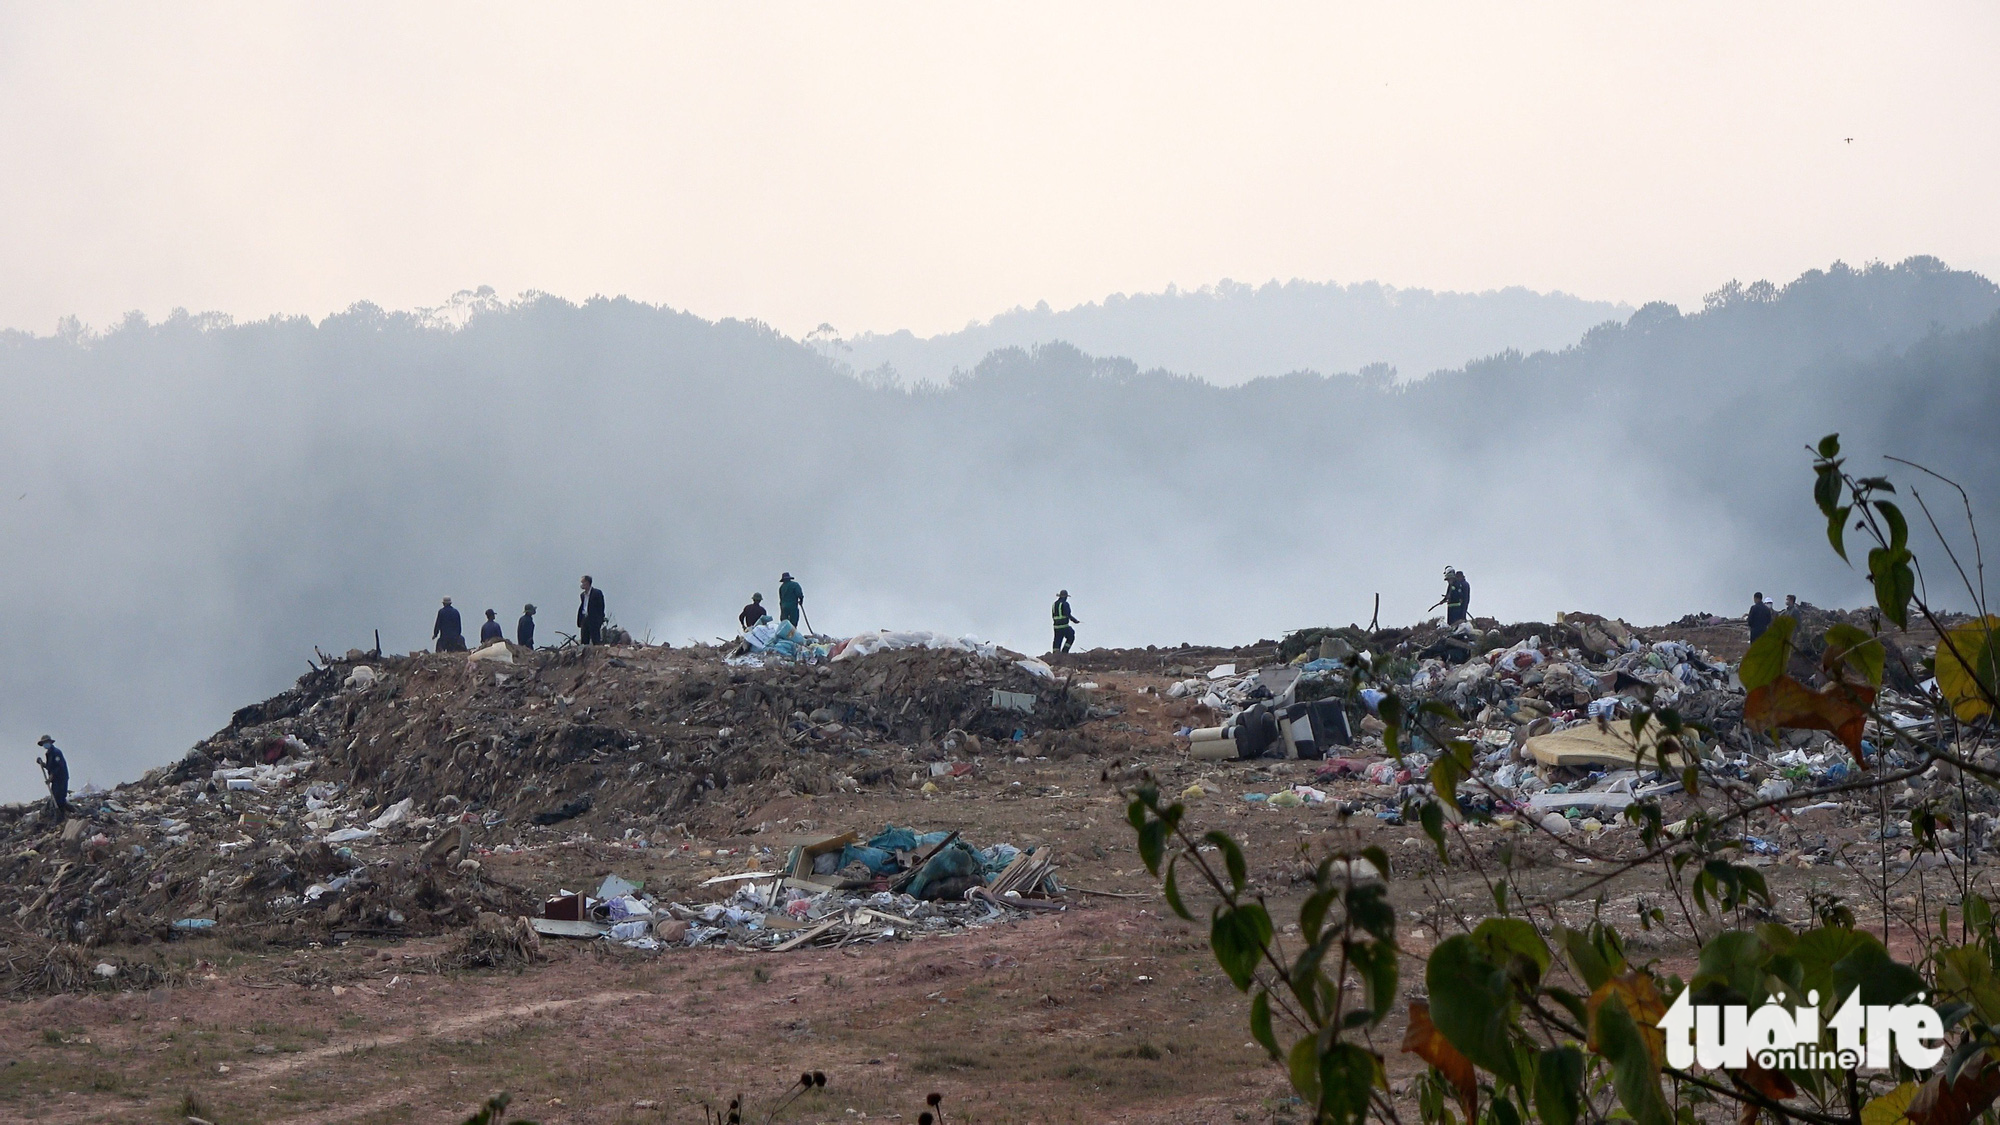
(917, 166)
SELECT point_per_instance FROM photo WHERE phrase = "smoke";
(191, 506)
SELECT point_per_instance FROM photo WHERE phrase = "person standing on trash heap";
(791, 598)
(1063, 620)
(446, 631)
(55, 771)
(590, 612)
(1759, 618)
(524, 629)
(1457, 596)
(753, 613)
(491, 631)
(1792, 606)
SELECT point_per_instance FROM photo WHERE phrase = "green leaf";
(1152, 844)
(1734, 959)
(1346, 1076)
(1377, 855)
(1968, 667)
(1454, 764)
(1312, 915)
(1500, 897)
(1879, 977)
(1305, 975)
(1173, 891)
(1966, 973)
(1238, 937)
(1369, 908)
(1891, 1108)
(1513, 937)
(1818, 950)
(1431, 816)
(1977, 911)
(1559, 1085)
(1829, 447)
(1303, 1067)
(1584, 959)
(1472, 1004)
(1895, 583)
(1836, 530)
(1633, 1072)
(1899, 528)
(1260, 1023)
(1232, 855)
(1571, 1003)
(1826, 487)
(1390, 711)
(1768, 656)
(1776, 936)
(1375, 963)
(1851, 645)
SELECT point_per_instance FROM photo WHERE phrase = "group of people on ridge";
(449, 635)
(1761, 614)
(447, 631)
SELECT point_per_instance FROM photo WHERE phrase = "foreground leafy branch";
(1532, 1020)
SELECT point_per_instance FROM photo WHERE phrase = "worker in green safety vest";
(1063, 619)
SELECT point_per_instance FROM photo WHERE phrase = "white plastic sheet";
(882, 640)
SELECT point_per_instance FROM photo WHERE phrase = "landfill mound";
(359, 801)
(1544, 703)
(397, 796)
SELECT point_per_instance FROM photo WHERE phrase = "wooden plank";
(909, 876)
(801, 938)
(556, 927)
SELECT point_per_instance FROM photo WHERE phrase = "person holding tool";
(55, 771)
(1457, 598)
(791, 598)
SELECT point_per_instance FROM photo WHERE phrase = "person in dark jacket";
(590, 612)
(1760, 616)
(754, 612)
(524, 629)
(446, 631)
(491, 631)
(1064, 622)
(1457, 598)
(791, 598)
(55, 771)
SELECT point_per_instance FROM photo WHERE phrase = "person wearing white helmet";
(1457, 600)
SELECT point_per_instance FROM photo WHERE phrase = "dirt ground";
(1110, 1010)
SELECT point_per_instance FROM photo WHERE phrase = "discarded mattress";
(1591, 802)
(1592, 745)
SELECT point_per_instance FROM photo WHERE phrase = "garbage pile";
(274, 844)
(1544, 707)
(780, 640)
(363, 799)
(833, 891)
